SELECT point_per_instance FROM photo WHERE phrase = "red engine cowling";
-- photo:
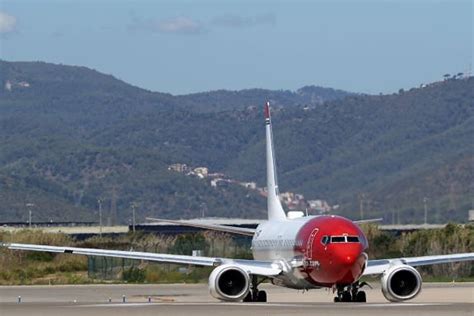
(401, 282)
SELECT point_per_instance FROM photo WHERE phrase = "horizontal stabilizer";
(369, 220)
(221, 228)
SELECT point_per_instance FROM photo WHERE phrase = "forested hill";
(244, 99)
(70, 135)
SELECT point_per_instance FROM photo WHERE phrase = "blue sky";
(191, 46)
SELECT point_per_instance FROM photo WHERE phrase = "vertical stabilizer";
(275, 210)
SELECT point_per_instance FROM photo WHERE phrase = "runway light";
(110, 300)
(19, 299)
(149, 299)
(123, 298)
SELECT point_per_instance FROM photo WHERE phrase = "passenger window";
(325, 240)
(338, 239)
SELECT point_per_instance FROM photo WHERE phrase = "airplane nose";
(348, 254)
(347, 264)
(350, 259)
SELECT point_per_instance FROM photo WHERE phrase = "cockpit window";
(325, 240)
(352, 239)
(338, 239)
(345, 239)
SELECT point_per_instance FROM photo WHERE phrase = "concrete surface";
(180, 299)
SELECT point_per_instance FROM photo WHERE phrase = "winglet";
(274, 207)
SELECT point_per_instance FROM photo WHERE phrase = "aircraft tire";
(346, 297)
(261, 296)
(361, 297)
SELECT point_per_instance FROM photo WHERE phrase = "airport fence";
(106, 268)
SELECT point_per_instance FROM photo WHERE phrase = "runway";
(180, 299)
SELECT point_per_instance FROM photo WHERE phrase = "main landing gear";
(351, 293)
(254, 294)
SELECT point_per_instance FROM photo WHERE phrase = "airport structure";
(83, 230)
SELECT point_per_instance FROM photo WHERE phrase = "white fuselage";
(274, 240)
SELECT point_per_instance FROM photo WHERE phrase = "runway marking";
(405, 304)
(185, 304)
(304, 304)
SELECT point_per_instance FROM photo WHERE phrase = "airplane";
(303, 253)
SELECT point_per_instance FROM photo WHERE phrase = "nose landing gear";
(351, 293)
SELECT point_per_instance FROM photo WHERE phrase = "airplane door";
(310, 242)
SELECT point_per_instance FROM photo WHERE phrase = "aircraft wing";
(263, 268)
(379, 266)
(221, 228)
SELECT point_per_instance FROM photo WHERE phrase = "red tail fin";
(267, 110)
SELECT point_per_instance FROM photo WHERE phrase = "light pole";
(361, 204)
(100, 217)
(425, 199)
(203, 209)
(133, 216)
(29, 206)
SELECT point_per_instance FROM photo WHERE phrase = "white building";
(201, 172)
(249, 185)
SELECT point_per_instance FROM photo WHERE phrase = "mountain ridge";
(68, 140)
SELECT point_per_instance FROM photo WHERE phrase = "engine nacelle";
(401, 282)
(229, 283)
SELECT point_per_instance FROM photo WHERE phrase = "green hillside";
(223, 100)
(394, 149)
(70, 135)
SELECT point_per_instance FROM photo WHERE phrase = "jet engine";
(401, 282)
(229, 283)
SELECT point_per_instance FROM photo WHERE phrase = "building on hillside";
(201, 172)
(287, 197)
(216, 175)
(221, 183)
(249, 185)
(321, 206)
(294, 201)
(178, 167)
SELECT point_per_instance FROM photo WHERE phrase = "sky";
(183, 47)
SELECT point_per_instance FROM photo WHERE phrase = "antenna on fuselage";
(275, 210)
